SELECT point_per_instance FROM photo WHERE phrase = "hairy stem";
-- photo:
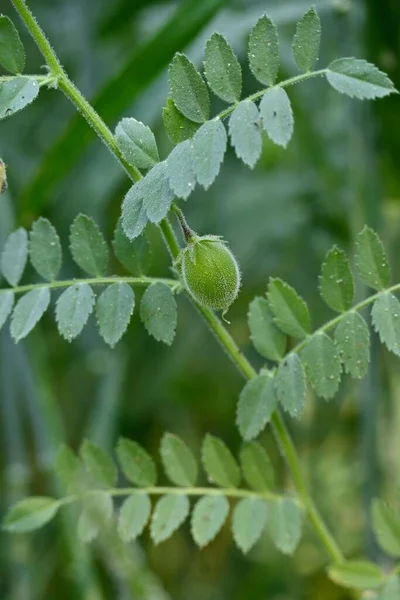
(139, 281)
(212, 320)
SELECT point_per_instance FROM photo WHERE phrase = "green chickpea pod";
(208, 268)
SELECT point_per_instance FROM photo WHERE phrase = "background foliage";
(337, 174)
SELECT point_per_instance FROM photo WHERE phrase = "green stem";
(215, 325)
(139, 281)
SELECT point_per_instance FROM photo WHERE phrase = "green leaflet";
(257, 468)
(322, 365)
(114, 309)
(98, 464)
(6, 305)
(371, 260)
(45, 249)
(264, 51)
(249, 519)
(267, 339)
(181, 175)
(134, 215)
(352, 341)
(188, 90)
(69, 470)
(137, 143)
(169, 514)
(289, 309)
(15, 94)
(219, 464)
(14, 256)
(336, 280)
(134, 255)
(158, 312)
(12, 54)
(222, 69)
(28, 311)
(256, 405)
(358, 575)
(209, 515)
(178, 461)
(386, 526)
(245, 132)
(95, 516)
(290, 385)
(386, 321)
(285, 520)
(306, 40)
(137, 465)
(133, 516)
(208, 151)
(73, 309)
(277, 116)
(88, 247)
(30, 514)
(155, 192)
(177, 126)
(358, 79)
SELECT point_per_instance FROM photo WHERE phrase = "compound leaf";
(28, 311)
(268, 340)
(289, 309)
(45, 249)
(256, 404)
(277, 116)
(358, 79)
(209, 146)
(188, 90)
(209, 515)
(178, 460)
(245, 132)
(322, 365)
(133, 516)
(137, 143)
(169, 514)
(264, 51)
(114, 309)
(219, 464)
(88, 247)
(336, 280)
(290, 385)
(371, 260)
(306, 40)
(352, 341)
(222, 69)
(158, 312)
(73, 308)
(249, 519)
(136, 463)
(14, 256)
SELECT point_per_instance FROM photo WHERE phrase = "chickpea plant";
(206, 269)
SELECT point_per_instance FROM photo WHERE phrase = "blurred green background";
(341, 170)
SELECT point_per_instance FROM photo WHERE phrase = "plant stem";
(139, 281)
(214, 323)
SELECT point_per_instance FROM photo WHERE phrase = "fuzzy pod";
(210, 272)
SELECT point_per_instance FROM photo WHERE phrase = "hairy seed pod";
(3, 177)
(210, 272)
